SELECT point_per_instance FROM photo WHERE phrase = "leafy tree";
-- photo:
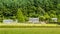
(20, 16)
(29, 8)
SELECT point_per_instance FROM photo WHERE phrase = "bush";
(20, 16)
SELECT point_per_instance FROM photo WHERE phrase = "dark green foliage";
(29, 8)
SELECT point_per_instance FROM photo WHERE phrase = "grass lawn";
(29, 30)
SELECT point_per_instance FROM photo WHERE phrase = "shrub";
(20, 16)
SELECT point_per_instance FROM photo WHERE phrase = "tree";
(29, 8)
(20, 16)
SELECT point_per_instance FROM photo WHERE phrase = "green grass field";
(29, 30)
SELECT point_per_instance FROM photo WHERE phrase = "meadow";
(29, 30)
